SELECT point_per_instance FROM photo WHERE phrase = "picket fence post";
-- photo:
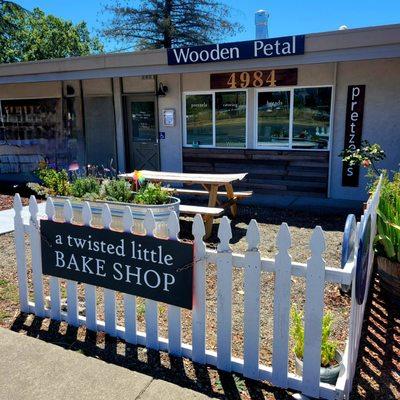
(224, 296)
(199, 292)
(315, 283)
(90, 290)
(34, 234)
(151, 305)
(283, 266)
(174, 312)
(72, 287)
(129, 300)
(252, 275)
(55, 297)
(110, 319)
(20, 255)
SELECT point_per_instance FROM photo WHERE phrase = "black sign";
(262, 48)
(153, 268)
(353, 131)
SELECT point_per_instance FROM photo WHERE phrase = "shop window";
(216, 119)
(273, 116)
(199, 120)
(230, 119)
(311, 118)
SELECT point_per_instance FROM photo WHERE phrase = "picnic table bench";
(210, 183)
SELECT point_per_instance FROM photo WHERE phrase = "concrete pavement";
(7, 217)
(33, 369)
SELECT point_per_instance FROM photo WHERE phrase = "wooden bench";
(206, 211)
(237, 195)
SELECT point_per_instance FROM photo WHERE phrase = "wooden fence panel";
(55, 296)
(72, 287)
(314, 308)
(252, 275)
(19, 240)
(224, 296)
(129, 300)
(37, 277)
(151, 305)
(283, 266)
(199, 292)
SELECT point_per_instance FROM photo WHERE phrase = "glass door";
(142, 127)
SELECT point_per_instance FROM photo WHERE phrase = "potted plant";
(387, 240)
(331, 357)
(117, 193)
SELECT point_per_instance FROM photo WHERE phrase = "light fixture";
(162, 89)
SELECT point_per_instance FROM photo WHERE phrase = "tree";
(39, 36)
(169, 23)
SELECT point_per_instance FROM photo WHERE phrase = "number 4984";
(253, 79)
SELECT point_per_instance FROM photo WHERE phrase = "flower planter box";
(161, 213)
(327, 374)
(389, 273)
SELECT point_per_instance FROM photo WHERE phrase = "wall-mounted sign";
(259, 78)
(153, 268)
(168, 117)
(353, 131)
(161, 135)
(265, 48)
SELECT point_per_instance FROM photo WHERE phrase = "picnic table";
(211, 184)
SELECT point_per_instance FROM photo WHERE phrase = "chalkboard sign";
(152, 268)
(258, 78)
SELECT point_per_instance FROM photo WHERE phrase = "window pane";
(230, 119)
(311, 118)
(273, 118)
(199, 127)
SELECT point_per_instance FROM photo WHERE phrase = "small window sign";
(169, 117)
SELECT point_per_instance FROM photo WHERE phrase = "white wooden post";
(224, 296)
(129, 300)
(252, 274)
(199, 292)
(72, 287)
(174, 312)
(151, 305)
(283, 265)
(20, 254)
(34, 233)
(55, 311)
(314, 308)
(110, 323)
(90, 290)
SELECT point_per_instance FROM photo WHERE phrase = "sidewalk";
(7, 217)
(33, 369)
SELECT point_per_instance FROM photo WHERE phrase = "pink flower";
(366, 163)
(74, 166)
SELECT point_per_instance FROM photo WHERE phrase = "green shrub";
(87, 188)
(53, 182)
(387, 240)
(152, 194)
(116, 190)
(328, 346)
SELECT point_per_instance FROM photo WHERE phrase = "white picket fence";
(315, 272)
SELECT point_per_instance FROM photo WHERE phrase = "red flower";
(366, 163)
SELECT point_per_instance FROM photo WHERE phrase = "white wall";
(381, 122)
(171, 146)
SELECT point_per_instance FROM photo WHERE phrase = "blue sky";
(286, 17)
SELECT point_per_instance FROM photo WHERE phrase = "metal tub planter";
(161, 213)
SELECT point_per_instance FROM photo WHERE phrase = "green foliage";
(387, 241)
(86, 188)
(116, 190)
(328, 346)
(153, 24)
(37, 36)
(53, 182)
(151, 194)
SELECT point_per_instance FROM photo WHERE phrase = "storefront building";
(281, 109)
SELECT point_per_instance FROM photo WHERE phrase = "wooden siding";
(302, 173)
